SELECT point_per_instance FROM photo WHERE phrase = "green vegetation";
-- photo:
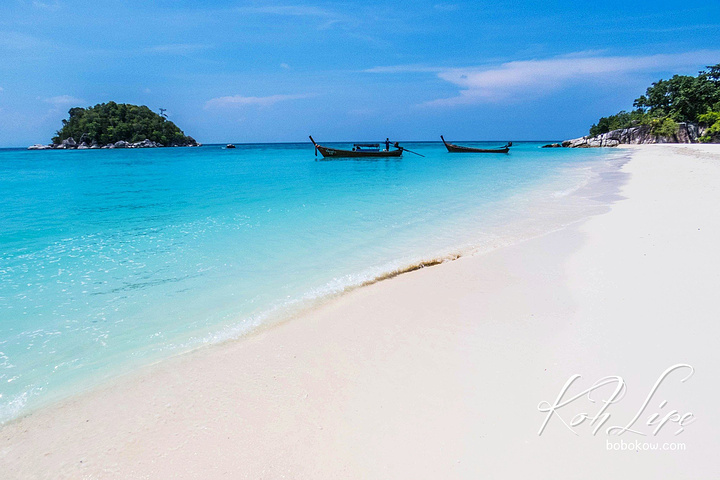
(712, 120)
(111, 122)
(614, 122)
(682, 98)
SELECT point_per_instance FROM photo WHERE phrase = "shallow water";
(114, 258)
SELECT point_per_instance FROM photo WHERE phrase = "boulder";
(121, 144)
(576, 142)
(145, 144)
(641, 134)
(69, 143)
(552, 145)
(40, 146)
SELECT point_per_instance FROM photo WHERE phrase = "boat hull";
(328, 152)
(451, 148)
(337, 153)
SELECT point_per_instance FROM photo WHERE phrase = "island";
(683, 109)
(116, 125)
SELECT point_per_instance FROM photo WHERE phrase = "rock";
(642, 134)
(70, 143)
(552, 145)
(145, 144)
(576, 142)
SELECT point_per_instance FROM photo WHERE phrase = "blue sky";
(356, 70)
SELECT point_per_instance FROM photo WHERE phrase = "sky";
(233, 71)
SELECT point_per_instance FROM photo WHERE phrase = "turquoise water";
(115, 258)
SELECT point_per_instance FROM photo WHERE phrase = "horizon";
(274, 72)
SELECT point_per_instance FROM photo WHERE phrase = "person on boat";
(387, 144)
(396, 145)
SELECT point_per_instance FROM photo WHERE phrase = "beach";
(440, 372)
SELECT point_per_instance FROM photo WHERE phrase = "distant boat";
(364, 150)
(229, 145)
(460, 149)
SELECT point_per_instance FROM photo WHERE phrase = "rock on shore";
(70, 144)
(687, 133)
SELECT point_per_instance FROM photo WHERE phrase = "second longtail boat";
(460, 149)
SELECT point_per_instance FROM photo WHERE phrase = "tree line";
(682, 98)
(111, 122)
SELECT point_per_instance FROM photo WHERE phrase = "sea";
(114, 259)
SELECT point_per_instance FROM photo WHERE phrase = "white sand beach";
(438, 373)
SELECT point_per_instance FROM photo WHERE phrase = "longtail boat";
(364, 150)
(460, 149)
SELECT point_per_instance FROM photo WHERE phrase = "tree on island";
(682, 98)
(108, 123)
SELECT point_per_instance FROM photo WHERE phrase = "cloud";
(288, 10)
(176, 48)
(2, 89)
(543, 76)
(285, 66)
(21, 41)
(241, 101)
(52, 6)
(328, 17)
(527, 78)
(413, 68)
(63, 100)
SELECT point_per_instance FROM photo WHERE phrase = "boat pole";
(406, 150)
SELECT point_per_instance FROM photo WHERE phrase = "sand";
(439, 373)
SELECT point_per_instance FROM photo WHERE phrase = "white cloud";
(2, 89)
(21, 41)
(413, 68)
(53, 6)
(241, 101)
(486, 84)
(63, 100)
(446, 7)
(176, 48)
(328, 17)
(285, 66)
(288, 10)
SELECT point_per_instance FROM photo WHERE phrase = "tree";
(111, 122)
(682, 98)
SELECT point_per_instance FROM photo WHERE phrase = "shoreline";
(435, 373)
(567, 207)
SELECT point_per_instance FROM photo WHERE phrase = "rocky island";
(116, 125)
(683, 109)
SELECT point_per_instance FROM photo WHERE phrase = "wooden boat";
(460, 149)
(360, 150)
